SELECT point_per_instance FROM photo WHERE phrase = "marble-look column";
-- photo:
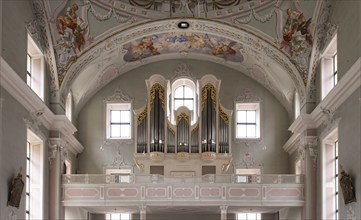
(56, 210)
(310, 146)
(223, 212)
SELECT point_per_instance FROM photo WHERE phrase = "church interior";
(180, 109)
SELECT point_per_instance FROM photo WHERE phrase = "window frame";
(174, 86)
(330, 181)
(328, 60)
(253, 106)
(109, 216)
(34, 176)
(37, 68)
(258, 216)
(120, 106)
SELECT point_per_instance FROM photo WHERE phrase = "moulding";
(293, 143)
(302, 123)
(40, 114)
(118, 96)
(347, 85)
(183, 71)
(247, 96)
(12, 83)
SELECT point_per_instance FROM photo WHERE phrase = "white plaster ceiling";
(253, 29)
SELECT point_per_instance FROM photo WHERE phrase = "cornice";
(346, 86)
(18, 89)
(302, 123)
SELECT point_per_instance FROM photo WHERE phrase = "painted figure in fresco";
(296, 33)
(73, 22)
(145, 48)
(183, 42)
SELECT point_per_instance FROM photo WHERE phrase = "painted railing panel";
(98, 190)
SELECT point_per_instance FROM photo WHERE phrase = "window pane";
(242, 216)
(114, 130)
(114, 116)
(241, 131)
(335, 63)
(125, 130)
(28, 63)
(177, 104)
(28, 79)
(178, 93)
(251, 130)
(125, 216)
(241, 117)
(188, 93)
(252, 216)
(125, 116)
(251, 116)
(188, 104)
(115, 216)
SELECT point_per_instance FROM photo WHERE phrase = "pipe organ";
(164, 133)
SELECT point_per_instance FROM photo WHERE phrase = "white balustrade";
(97, 190)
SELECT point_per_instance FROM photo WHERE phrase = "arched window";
(184, 94)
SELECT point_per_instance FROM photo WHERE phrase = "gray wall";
(13, 46)
(13, 153)
(275, 122)
(347, 15)
(349, 130)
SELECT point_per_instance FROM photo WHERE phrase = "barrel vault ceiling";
(89, 43)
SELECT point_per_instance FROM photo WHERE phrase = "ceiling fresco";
(183, 43)
(92, 37)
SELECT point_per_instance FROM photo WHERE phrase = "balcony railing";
(248, 190)
(155, 178)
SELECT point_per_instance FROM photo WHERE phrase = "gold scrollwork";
(195, 129)
(170, 129)
(205, 89)
(142, 116)
(183, 115)
(224, 116)
(157, 88)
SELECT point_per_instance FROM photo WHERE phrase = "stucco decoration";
(248, 161)
(41, 22)
(310, 144)
(34, 122)
(324, 32)
(247, 96)
(34, 32)
(328, 118)
(245, 43)
(214, 9)
(118, 96)
(161, 44)
(112, 12)
(57, 147)
(253, 14)
(183, 71)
